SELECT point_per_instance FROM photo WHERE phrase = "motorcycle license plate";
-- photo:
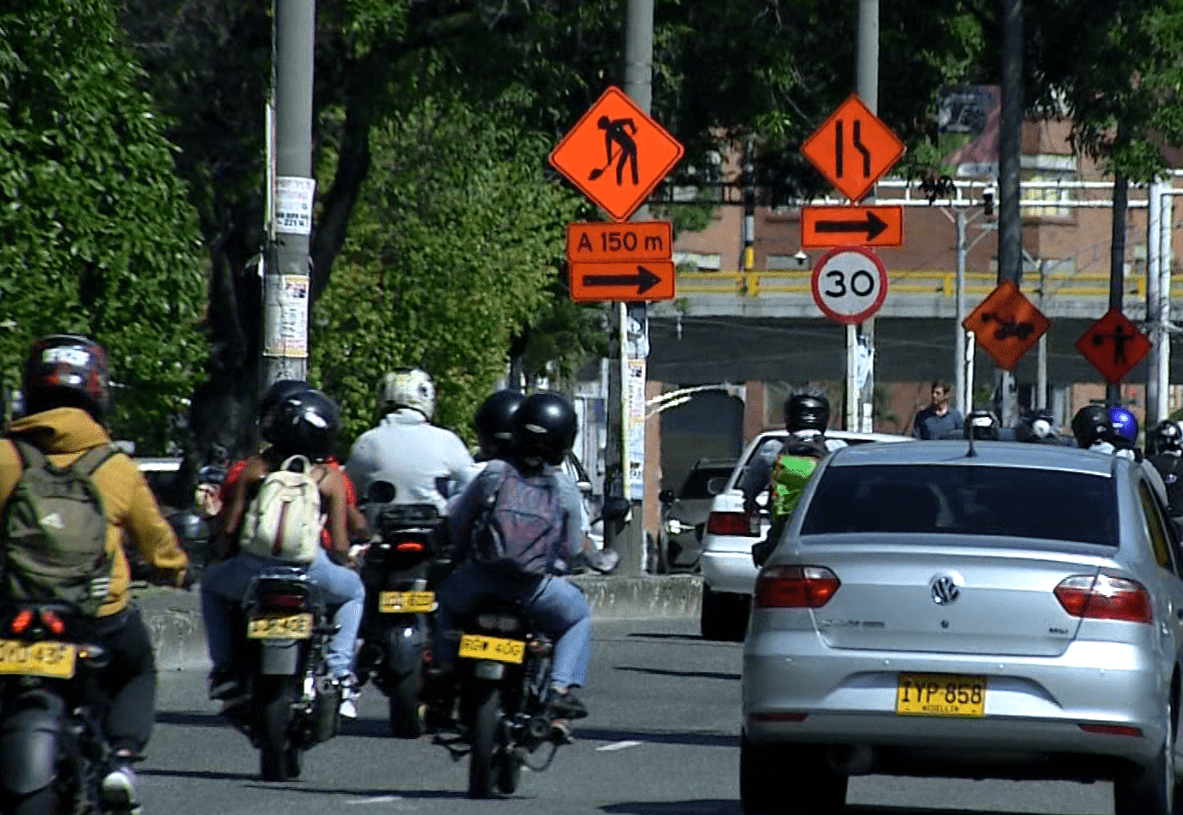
(941, 695)
(55, 659)
(290, 627)
(478, 646)
(413, 602)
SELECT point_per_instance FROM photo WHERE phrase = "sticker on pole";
(849, 284)
(293, 204)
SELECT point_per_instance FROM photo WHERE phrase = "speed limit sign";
(849, 284)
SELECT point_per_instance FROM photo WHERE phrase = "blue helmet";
(1124, 423)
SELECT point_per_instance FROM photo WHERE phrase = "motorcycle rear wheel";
(279, 759)
(482, 764)
(406, 708)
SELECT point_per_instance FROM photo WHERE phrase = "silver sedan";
(1010, 611)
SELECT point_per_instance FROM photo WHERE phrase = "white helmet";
(410, 388)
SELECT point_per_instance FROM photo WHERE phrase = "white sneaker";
(348, 709)
(119, 789)
(349, 695)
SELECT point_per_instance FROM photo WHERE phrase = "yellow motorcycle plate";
(291, 627)
(406, 602)
(54, 659)
(478, 646)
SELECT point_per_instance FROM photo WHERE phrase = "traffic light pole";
(286, 284)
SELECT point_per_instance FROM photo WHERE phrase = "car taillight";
(20, 623)
(1105, 597)
(729, 523)
(795, 587)
(282, 601)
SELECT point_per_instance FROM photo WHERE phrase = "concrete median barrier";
(174, 617)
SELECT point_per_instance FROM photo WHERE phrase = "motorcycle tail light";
(498, 622)
(21, 622)
(53, 622)
(286, 602)
(408, 546)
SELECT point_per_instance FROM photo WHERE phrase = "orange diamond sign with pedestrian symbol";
(1006, 324)
(1114, 345)
(616, 154)
(853, 148)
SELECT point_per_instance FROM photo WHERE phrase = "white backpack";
(283, 521)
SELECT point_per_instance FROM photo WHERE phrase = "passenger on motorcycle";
(425, 463)
(806, 418)
(1094, 429)
(1168, 461)
(67, 392)
(304, 424)
(544, 429)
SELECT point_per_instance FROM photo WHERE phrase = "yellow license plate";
(412, 602)
(477, 646)
(941, 695)
(54, 659)
(291, 627)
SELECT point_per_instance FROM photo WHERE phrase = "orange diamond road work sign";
(636, 241)
(631, 281)
(1114, 345)
(853, 148)
(1006, 324)
(824, 227)
(616, 154)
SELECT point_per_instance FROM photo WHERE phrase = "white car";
(728, 571)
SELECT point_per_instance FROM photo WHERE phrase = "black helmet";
(305, 424)
(276, 393)
(805, 412)
(1167, 437)
(66, 370)
(981, 424)
(493, 421)
(1091, 424)
(544, 427)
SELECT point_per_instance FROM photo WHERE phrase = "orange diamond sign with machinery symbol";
(1006, 324)
(1113, 345)
(616, 154)
(853, 148)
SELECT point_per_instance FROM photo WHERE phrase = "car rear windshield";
(1006, 501)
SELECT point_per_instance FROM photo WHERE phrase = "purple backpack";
(522, 528)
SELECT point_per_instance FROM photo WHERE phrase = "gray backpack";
(522, 528)
(53, 541)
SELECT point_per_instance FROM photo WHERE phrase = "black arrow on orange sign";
(644, 280)
(873, 226)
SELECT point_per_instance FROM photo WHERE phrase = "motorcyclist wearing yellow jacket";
(66, 389)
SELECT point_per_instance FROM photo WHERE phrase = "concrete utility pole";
(1010, 147)
(1121, 199)
(861, 400)
(629, 363)
(286, 285)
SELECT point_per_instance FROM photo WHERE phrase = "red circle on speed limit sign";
(849, 284)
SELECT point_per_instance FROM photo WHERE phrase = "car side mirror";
(666, 496)
(717, 484)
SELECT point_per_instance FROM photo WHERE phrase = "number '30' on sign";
(849, 284)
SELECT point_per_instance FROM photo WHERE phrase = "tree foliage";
(96, 234)
(455, 246)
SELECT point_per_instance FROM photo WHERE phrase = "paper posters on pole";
(293, 204)
(635, 389)
(285, 323)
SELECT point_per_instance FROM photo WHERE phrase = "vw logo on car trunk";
(944, 589)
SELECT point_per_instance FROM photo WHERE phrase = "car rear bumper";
(729, 570)
(1033, 704)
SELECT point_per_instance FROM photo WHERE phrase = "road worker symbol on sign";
(1114, 345)
(616, 155)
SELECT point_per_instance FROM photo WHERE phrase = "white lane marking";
(381, 799)
(618, 745)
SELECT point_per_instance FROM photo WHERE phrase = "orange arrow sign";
(593, 282)
(823, 227)
(853, 148)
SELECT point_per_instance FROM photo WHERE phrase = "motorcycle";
(503, 677)
(404, 560)
(288, 702)
(55, 753)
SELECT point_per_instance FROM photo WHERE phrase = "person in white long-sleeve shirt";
(425, 463)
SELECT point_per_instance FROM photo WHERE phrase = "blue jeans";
(227, 582)
(555, 604)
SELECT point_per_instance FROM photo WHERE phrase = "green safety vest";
(789, 477)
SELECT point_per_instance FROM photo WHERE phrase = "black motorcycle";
(502, 722)
(404, 561)
(53, 750)
(288, 702)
